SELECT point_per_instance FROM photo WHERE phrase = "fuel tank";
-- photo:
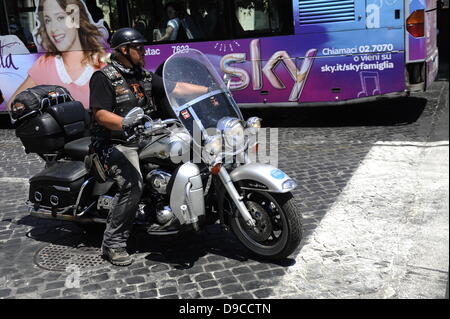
(175, 146)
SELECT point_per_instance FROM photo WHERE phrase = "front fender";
(267, 177)
(192, 196)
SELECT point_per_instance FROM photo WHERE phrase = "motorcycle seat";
(78, 149)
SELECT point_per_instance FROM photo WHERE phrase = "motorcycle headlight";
(233, 131)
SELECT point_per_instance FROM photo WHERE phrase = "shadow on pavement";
(5, 121)
(324, 169)
(400, 111)
(181, 251)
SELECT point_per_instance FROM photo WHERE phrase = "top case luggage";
(59, 124)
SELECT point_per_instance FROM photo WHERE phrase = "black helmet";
(126, 36)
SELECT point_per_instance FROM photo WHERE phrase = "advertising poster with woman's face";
(70, 48)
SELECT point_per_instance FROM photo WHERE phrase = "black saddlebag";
(58, 186)
(59, 124)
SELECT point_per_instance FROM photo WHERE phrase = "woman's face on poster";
(60, 27)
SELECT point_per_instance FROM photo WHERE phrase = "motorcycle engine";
(158, 180)
(164, 215)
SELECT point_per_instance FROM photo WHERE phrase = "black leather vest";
(125, 99)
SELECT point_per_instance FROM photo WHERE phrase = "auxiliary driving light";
(253, 125)
(289, 184)
(253, 122)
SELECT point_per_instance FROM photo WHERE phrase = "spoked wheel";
(278, 230)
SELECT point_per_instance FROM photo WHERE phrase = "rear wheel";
(278, 230)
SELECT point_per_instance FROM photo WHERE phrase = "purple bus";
(276, 52)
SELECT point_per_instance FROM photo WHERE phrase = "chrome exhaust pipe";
(67, 218)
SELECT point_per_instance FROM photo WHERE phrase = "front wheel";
(278, 230)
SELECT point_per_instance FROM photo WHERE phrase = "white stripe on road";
(13, 180)
(387, 234)
(417, 144)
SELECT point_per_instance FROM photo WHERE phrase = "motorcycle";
(196, 167)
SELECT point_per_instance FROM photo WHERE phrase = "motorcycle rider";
(115, 89)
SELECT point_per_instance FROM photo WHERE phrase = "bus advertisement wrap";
(297, 74)
(321, 62)
(300, 72)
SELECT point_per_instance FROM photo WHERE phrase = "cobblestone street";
(373, 192)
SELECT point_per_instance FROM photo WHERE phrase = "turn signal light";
(255, 149)
(216, 169)
(415, 24)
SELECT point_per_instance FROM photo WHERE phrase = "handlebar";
(151, 127)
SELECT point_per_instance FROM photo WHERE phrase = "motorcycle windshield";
(205, 100)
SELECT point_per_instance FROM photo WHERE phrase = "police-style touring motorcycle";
(197, 166)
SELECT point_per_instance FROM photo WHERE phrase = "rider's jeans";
(123, 162)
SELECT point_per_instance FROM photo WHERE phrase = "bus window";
(18, 22)
(205, 20)
(143, 16)
(213, 20)
(106, 10)
(262, 17)
(187, 20)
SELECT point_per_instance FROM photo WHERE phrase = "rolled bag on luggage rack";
(35, 100)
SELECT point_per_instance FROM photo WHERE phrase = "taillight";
(415, 24)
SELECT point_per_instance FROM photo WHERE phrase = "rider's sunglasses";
(137, 47)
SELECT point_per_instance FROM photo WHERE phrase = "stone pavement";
(373, 191)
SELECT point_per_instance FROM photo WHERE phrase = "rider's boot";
(117, 256)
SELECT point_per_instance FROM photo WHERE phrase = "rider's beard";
(142, 62)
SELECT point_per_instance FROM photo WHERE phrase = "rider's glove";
(128, 123)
